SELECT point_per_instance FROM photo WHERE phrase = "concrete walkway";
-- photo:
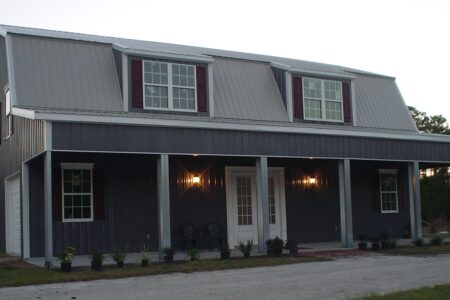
(340, 279)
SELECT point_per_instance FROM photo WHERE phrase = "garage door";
(12, 215)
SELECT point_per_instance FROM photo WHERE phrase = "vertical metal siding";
(3, 64)
(36, 189)
(26, 141)
(280, 78)
(118, 62)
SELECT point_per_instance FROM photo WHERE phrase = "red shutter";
(346, 98)
(201, 89)
(298, 97)
(401, 190)
(57, 195)
(376, 193)
(136, 81)
(99, 195)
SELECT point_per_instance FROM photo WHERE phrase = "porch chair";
(189, 235)
(214, 235)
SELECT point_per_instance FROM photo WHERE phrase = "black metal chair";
(214, 235)
(189, 235)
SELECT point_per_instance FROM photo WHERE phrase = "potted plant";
(97, 261)
(66, 259)
(246, 248)
(362, 244)
(436, 240)
(292, 247)
(145, 257)
(275, 247)
(375, 243)
(392, 243)
(384, 236)
(224, 251)
(119, 257)
(168, 255)
(194, 254)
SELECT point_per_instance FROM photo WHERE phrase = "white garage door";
(12, 215)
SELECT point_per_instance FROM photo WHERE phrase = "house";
(109, 142)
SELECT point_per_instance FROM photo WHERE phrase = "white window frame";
(77, 166)
(322, 101)
(7, 102)
(388, 172)
(169, 86)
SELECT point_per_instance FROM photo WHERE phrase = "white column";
(345, 196)
(414, 200)
(25, 211)
(48, 216)
(262, 184)
(163, 201)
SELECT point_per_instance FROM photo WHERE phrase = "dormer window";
(322, 99)
(169, 86)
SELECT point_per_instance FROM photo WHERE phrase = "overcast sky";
(409, 39)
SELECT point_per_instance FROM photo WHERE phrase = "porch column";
(414, 200)
(262, 185)
(163, 202)
(48, 216)
(345, 196)
(25, 211)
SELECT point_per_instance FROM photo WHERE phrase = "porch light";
(195, 179)
(312, 181)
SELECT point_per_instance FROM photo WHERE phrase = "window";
(169, 86)
(322, 99)
(388, 191)
(77, 192)
(272, 214)
(244, 200)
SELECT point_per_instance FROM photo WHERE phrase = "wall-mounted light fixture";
(312, 181)
(195, 179)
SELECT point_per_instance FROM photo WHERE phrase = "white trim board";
(211, 124)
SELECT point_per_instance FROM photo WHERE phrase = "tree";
(429, 124)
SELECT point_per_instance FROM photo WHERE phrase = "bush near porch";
(17, 273)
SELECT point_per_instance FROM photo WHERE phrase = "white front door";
(242, 220)
(12, 216)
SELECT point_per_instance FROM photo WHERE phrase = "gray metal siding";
(246, 90)
(96, 137)
(3, 64)
(27, 141)
(118, 63)
(65, 75)
(366, 219)
(36, 189)
(379, 104)
(130, 206)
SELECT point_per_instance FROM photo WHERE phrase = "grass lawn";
(19, 273)
(439, 292)
(424, 250)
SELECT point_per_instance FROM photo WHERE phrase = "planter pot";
(376, 246)
(362, 246)
(225, 255)
(144, 262)
(96, 266)
(120, 264)
(277, 252)
(384, 245)
(66, 267)
(168, 259)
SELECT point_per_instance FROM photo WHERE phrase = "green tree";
(435, 191)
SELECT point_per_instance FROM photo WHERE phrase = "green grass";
(19, 273)
(439, 292)
(424, 250)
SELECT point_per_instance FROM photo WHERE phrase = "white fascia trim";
(230, 126)
(3, 32)
(353, 102)
(125, 92)
(25, 113)
(48, 135)
(163, 55)
(211, 89)
(312, 72)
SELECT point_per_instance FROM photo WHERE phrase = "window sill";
(389, 211)
(77, 220)
(170, 109)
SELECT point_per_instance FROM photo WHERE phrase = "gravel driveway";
(338, 279)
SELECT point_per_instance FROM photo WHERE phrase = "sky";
(406, 39)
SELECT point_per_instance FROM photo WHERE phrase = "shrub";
(291, 245)
(362, 237)
(246, 248)
(66, 259)
(418, 242)
(145, 256)
(119, 257)
(436, 240)
(97, 261)
(275, 247)
(392, 243)
(194, 254)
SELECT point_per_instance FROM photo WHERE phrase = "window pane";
(272, 215)
(67, 187)
(67, 201)
(313, 109)
(183, 75)
(388, 182)
(86, 200)
(333, 90)
(333, 110)
(155, 73)
(312, 88)
(68, 213)
(87, 212)
(156, 96)
(77, 213)
(244, 200)
(76, 200)
(183, 98)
